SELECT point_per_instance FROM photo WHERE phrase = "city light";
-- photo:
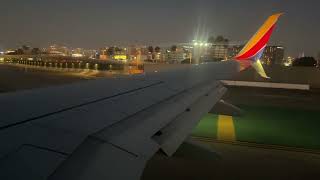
(77, 55)
(288, 62)
(120, 57)
(10, 51)
(201, 44)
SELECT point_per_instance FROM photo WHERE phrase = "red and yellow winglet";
(253, 50)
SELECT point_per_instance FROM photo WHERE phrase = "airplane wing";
(110, 128)
(106, 128)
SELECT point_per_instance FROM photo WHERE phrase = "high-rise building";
(273, 55)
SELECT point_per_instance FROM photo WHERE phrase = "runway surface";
(17, 78)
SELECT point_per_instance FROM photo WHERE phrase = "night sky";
(97, 23)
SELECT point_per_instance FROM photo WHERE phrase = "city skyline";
(98, 23)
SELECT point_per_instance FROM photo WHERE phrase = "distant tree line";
(305, 61)
(218, 40)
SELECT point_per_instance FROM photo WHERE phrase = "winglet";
(253, 50)
(259, 68)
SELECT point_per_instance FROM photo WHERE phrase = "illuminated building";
(209, 52)
(78, 52)
(120, 57)
(120, 54)
(134, 53)
(273, 55)
(57, 50)
(218, 52)
(91, 53)
(175, 56)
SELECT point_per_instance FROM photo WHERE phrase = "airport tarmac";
(298, 99)
(16, 78)
(227, 161)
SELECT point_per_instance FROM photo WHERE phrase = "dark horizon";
(93, 24)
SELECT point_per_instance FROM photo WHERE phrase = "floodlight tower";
(198, 49)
